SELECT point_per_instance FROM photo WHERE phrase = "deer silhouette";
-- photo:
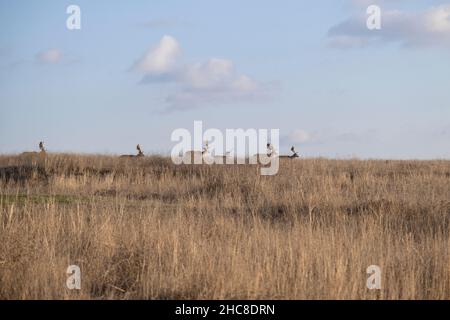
(191, 155)
(292, 156)
(138, 155)
(41, 153)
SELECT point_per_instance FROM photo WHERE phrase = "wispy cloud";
(164, 23)
(213, 82)
(50, 56)
(430, 27)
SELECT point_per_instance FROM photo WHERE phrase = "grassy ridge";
(145, 228)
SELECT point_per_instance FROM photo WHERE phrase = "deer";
(41, 153)
(189, 156)
(292, 156)
(270, 153)
(139, 155)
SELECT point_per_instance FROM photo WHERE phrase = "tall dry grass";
(147, 229)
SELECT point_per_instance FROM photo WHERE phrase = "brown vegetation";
(147, 229)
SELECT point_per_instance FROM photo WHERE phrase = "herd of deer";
(270, 152)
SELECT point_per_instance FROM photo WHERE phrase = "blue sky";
(138, 70)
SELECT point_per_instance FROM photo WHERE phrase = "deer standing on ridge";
(140, 153)
(41, 153)
(189, 156)
(293, 155)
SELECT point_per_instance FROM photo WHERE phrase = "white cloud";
(217, 75)
(437, 20)
(215, 72)
(51, 56)
(213, 82)
(161, 58)
(427, 28)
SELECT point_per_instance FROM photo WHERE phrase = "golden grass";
(147, 229)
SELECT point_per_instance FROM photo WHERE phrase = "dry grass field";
(147, 229)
